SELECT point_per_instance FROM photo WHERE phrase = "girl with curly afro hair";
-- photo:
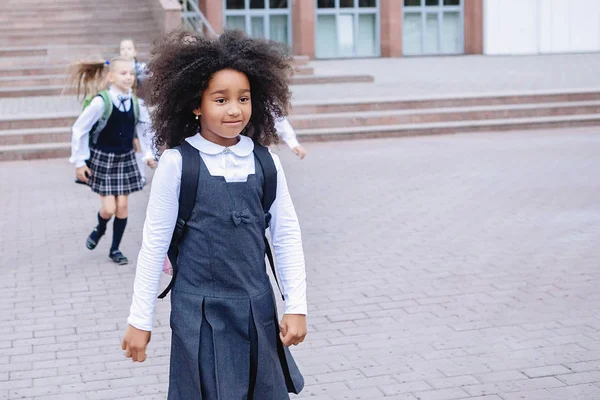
(215, 105)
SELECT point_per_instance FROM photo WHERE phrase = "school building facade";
(329, 29)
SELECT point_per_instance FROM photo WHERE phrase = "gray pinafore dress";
(225, 343)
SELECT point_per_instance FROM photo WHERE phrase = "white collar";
(243, 148)
(115, 93)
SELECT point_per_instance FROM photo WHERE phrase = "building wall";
(473, 10)
(541, 26)
(303, 20)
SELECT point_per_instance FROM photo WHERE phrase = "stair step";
(32, 122)
(33, 70)
(106, 30)
(448, 114)
(322, 79)
(363, 132)
(33, 81)
(74, 40)
(54, 89)
(125, 16)
(62, 149)
(58, 69)
(303, 71)
(23, 52)
(469, 110)
(353, 105)
(92, 25)
(40, 10)
(68, 50)
(15, 137)
(35, 151)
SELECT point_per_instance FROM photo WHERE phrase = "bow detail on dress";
(239, 217)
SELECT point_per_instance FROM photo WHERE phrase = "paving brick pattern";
(439, 268)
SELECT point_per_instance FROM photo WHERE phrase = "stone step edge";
(33, 77)
(65, 67)
(65, 32)
(66, 47)
(57, 115)
(35, 131)
(297, 80)
(59, 8)
(65, 77)
(366, 114)
(78, 46)
(341, 131)
(34, 147)
(446, 110)
(359, 114)
(453, 96)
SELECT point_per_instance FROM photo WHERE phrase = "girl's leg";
(108, 206)
(118, 229)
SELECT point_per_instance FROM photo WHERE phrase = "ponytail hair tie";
(107, 62)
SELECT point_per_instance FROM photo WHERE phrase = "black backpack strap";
(190, 172)
(269, 193)
(270, 173)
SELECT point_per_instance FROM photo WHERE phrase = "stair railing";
(194, 19)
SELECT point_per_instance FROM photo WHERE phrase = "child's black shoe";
(118, 257)
(93, 239)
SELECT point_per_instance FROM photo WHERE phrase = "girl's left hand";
(300, 151)
(293, 329)
(152, 163)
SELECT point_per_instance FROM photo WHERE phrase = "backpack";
(108, 107)
(190, 172)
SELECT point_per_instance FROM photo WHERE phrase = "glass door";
(347, 28)
(433, 27)
(269, 19)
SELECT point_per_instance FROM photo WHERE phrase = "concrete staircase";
(49, 136)
(39, 39)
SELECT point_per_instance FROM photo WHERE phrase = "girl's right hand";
(83, 173)
(135, 342)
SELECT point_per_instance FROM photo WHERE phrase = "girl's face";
(127, 49)
(226, 107)
(122, 75)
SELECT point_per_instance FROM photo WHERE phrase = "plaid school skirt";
(114, 174)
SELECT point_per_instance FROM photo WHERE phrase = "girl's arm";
(286, 132)
(80, 148)
(287, 244)
(161, 216)
(144, 132)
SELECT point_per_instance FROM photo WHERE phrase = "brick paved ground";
(406, 77)
(450, 267)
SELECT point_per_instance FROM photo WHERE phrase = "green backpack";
(108, 107)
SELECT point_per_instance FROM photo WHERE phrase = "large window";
(347, 28)
(433, 27)
(268, 19)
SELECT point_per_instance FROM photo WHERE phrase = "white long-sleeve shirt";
(234, 164)
(80, 150)
(286, 132)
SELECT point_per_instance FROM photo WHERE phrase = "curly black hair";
(182, 64)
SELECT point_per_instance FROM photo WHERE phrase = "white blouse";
(235, 164)
(286, 132)
(80, 150)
